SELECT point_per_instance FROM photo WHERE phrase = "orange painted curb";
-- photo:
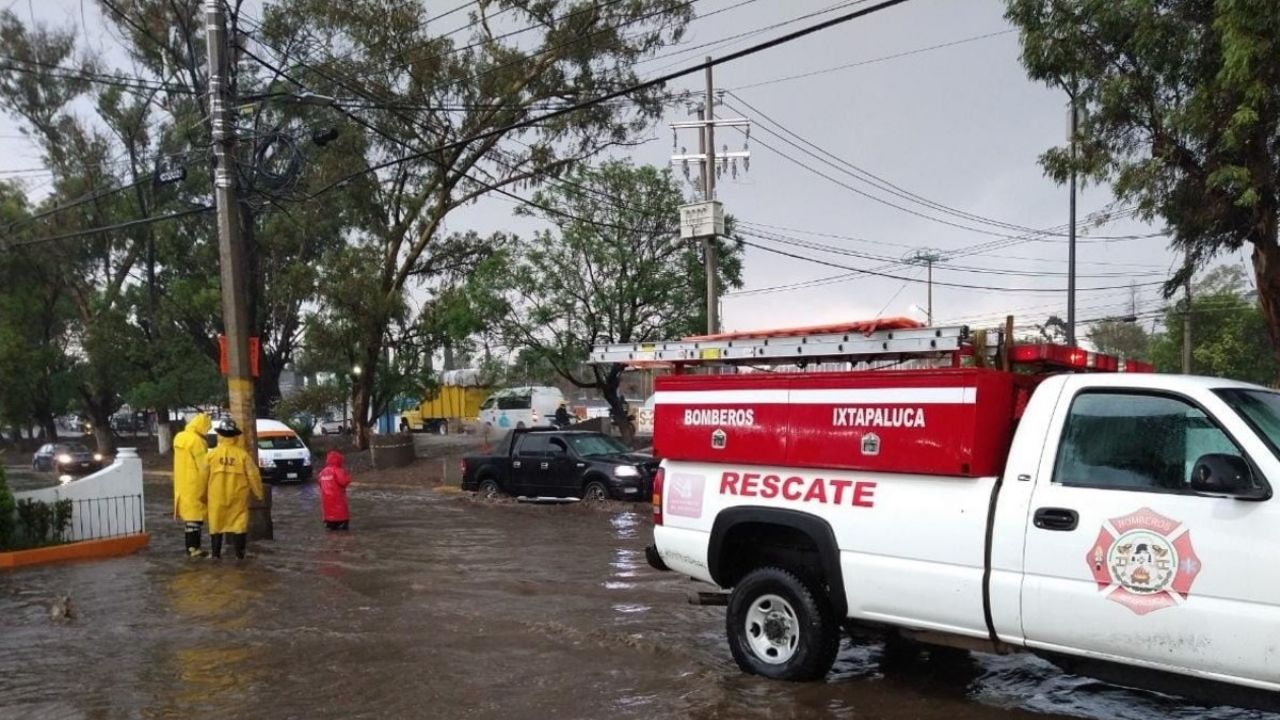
(85, 550)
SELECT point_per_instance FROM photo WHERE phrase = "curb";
(84, 550)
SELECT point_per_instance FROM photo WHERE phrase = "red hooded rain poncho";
(333, 480)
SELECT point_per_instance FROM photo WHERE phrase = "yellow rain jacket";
(190, 470)
(232, 476)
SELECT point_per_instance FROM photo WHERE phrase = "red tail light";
(658, 481)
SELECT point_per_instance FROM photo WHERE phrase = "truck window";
(1133, 441)
(1260, 409)
(488, 403)
(515, 402)
(532, 444)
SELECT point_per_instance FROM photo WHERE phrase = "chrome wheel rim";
(772, 629)
(594, 493)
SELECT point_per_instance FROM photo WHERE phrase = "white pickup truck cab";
(1124, 519)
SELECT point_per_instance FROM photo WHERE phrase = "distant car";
(66, 459)
(332, 427)
(557, 463)
(282, 456)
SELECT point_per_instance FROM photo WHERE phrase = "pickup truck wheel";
(595, 491)
(780, 628)
(489, 489)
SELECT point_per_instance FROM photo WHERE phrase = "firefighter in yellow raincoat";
(191, 479)
(232, 476)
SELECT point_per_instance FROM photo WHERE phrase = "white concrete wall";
(105, 504)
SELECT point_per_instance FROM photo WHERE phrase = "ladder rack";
(925, 342)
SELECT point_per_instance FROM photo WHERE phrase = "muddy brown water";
(437, 605)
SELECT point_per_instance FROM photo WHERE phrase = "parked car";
(332, 427)
(560, 463)
(282, 456)
(521, 407)
(66, 459)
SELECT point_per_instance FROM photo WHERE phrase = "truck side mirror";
(1223, 474)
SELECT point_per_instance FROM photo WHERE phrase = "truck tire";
(595, 491)
(489, 489)
(779, 628)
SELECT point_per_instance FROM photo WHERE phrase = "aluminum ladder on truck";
(800, 349)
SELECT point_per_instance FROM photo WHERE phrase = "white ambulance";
(1121, 524)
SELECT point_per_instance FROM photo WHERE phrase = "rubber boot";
(215, 541)
(240, 541)
(193, 541)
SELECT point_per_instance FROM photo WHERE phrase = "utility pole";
(1186, 318)
(705, 221)
(1071, 233)
(709, 242)
(235, 310)
(927, 258)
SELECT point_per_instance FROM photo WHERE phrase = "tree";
(424, 94)
(1120, 337)
(34, 319)
(1183, 108)
(611, 271)
(1228, 337)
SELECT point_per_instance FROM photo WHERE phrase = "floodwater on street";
(437, 605)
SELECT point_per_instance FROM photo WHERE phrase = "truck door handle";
(544, 465)
(515, 463)
(1050, 518)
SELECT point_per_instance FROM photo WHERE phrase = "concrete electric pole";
(235, 289)
(709, 242)
(705, 221)
(927, 258)
(1072, 128)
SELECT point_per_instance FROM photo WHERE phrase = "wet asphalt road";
(440, 606)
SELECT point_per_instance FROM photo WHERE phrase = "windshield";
(1259, 408)
(72, 449)
(588, 445)
(280, 442)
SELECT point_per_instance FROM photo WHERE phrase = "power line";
(745, 52)
(109, 228)
(823, 156)
(964, 286)
(911, 246)
(938, 262)
(87, 198)
(69, 73)
(872, 61)
(743, 35)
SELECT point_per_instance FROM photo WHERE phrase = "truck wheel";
(489, 489)
(595, 491)
(780, 628)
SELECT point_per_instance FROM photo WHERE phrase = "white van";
(521, 407)
(282, 456)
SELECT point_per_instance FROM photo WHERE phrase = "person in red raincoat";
(333, 480)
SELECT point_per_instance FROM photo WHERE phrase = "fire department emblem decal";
(1144, 561)
(719, 439)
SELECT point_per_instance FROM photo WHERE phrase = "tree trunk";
(1266, 268)
(266, 391)
(362, 392)
(102, 430)
(618, 410)
(164, 431)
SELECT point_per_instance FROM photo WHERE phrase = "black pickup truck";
(541, 462)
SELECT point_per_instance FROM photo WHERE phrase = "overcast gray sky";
(960, 126)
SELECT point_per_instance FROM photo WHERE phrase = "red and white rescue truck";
(1032, 498)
